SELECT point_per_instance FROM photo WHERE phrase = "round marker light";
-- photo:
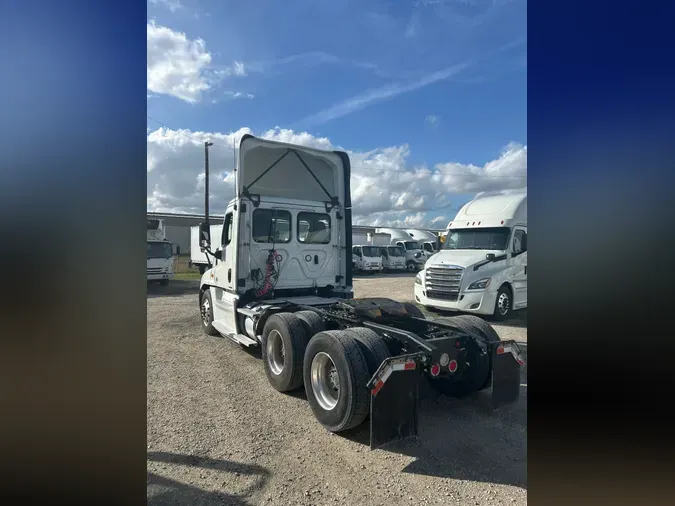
(452, 366)
(445, 358)
(435, 370)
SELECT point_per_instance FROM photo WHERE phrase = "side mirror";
(523, 244)
(204, 235)
(176, 250)
(490, 257)
(218, 254)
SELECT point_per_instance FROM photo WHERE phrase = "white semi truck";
(414, 256)
(160, 253)
(427, 240)
(290, 293)
(482, 267)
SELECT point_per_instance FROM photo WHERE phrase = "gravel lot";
(219, 434)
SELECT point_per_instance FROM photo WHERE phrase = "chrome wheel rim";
(206, 312)
(503, 304)
(325, 381)
(275, 352)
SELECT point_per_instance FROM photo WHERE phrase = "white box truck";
(366, 257)
(482, 267)
(414, 256)
(160, 253)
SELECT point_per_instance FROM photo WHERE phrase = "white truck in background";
(414, 257)
(365, 256)
(160, 253)
(427, 240)
(482, 267)
(393, 257)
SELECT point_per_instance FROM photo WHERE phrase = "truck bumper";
(469, 302)
(372, 268)
(159, 277)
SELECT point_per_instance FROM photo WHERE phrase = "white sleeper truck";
(482, 267)
(281, 279)
(160, 253)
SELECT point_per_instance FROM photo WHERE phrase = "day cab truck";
(427, 240)
(482, 267)
(291, 294)
(160, 253)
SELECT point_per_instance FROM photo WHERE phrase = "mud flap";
(394, 399)
(505, 379)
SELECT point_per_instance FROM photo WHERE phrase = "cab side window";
(519, 242)
(227, 230)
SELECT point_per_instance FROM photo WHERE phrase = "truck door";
(519, 267)
(224, 291)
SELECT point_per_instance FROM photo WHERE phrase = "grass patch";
(186, 276)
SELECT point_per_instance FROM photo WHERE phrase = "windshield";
(159, 250)
(411, 245)
(478, 238)
(396, 251)
(370, 251)
(430, 247)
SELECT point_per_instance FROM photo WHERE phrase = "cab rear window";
(271, 226)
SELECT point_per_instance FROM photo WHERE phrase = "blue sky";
(445, 79)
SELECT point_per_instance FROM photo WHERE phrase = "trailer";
(291, 294)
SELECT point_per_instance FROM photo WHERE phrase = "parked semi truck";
(160, 253)
(293, 297)
(482, 267)
(426, 239)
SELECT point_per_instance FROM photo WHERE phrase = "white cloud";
(370, 97)
(172, 5)
(386, 188)
(181, 67)
(433, 120)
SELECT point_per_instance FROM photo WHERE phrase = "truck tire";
(336, 375)
(311, 321)
(481, 369)
(410, 266)
(413, 310)
(283, 348)
(206, 309)
(373, 347)
(486, 330)
(503, 304)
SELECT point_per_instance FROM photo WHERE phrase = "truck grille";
(443, 282)
(438, 295)
(155, 270)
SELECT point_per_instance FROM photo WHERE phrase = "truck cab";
(287, 234)
(393, 258)
(368, 258)
(482, 267)
(160, 253)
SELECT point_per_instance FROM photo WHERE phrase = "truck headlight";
(481, 284)
(418, 279)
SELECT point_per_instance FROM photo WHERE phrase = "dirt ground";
(219, 434)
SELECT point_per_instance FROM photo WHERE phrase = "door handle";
(316, 259)
(229, 275)
(526, 269)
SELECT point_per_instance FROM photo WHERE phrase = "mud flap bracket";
(505, 378)
(394, 399)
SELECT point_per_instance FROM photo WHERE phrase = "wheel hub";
(276, 355)
(206, 312)
(503, 303)
(325, 381)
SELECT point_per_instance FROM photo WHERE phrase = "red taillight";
(500, 350)
(435, 370)
(457, 344)
(452, 366)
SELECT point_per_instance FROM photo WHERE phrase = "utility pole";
(206, 181)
